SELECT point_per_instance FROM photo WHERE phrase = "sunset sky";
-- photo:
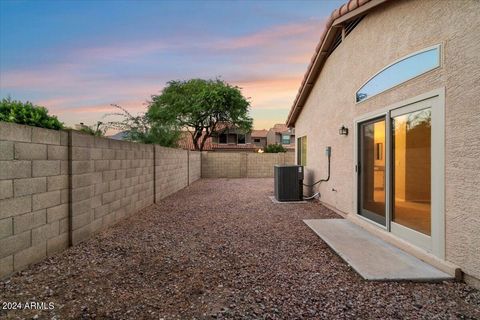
(78, 57)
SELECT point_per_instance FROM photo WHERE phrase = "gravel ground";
(222, 249)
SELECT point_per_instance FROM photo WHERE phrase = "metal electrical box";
(288, 182)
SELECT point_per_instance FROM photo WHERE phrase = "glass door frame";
(434, 244)
(415, 237)
(359, 182)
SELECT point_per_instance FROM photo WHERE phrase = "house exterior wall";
(406, 27)
(271, 137)
(248, 138)
(232, 136)
(262, 144)
(276, 138)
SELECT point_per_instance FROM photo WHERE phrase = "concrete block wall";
(110, 180)
(171, 171)
(242, 164)
(33, 195)
(260, 165)
(221, 164)
(57, 188)
(194, 166)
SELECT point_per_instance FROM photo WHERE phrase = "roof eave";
(333, 25)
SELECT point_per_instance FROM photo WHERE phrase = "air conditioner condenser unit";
(288, 182)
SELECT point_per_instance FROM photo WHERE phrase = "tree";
(274, 148)
(200, 106)
(97, 130)
(140, 128)
(27, 113)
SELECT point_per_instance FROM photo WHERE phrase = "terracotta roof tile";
(335, 14)
(280, 127)
(259, 133)
(186, 142)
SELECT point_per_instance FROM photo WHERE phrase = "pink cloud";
(131, 105)
(91, 113)
(270, 93)
(80, 92)
(273, 35)
(56, 75)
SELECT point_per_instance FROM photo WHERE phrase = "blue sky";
(78, 57)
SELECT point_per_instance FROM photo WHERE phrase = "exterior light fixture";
(343, 131)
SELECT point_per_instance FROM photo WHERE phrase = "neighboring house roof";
(186, 142)
(224, 125)
(279, 128)
(350, 10)
(259, 133)
(119, 135)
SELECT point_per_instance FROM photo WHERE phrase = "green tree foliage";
(141, 129)
(97, 129)
(199, 106)
(274, 148)
(27, 113)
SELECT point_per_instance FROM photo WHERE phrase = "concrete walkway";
(371, 257)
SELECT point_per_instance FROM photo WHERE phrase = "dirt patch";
(221, 249)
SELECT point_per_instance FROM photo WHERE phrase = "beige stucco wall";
(390, 32)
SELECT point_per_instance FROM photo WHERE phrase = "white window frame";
(437, 246)
(281, 138)
(439, 64)
(298, 148)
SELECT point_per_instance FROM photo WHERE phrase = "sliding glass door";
(412, 173)
(399, 178)
(372, 170)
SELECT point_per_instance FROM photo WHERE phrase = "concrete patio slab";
(370, 256)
